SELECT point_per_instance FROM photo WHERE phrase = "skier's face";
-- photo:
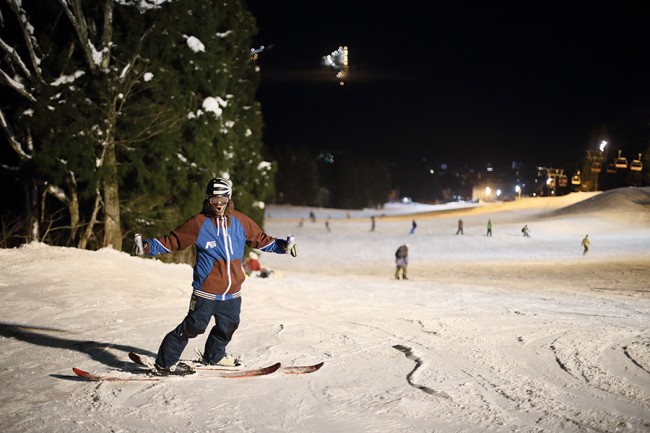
(219, 204)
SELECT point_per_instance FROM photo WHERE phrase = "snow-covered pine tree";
(199, 63)
(129, 107)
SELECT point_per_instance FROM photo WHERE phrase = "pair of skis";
(216, 371)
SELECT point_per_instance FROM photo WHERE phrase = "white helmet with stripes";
(219, 186)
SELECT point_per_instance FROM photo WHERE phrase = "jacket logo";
(210, 244)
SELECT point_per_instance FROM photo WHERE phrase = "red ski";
(233, 372)
(111, 378)
(197, 365)
(250, 373)
(302, 369)
(221, 374)
(296, 369)
(230, 372)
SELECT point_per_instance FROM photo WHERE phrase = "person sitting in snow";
(220, 234)
(253, 267)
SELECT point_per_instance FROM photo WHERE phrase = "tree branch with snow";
(24, 29)
(13, 142)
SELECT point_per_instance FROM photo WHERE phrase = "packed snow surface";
(489, 334)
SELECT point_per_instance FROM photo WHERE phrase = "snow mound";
(631, 201)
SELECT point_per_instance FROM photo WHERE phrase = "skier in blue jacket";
(220, 234)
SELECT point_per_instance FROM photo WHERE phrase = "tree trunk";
(85, 236)
(112, 227)
(73, 208)
(32, 232)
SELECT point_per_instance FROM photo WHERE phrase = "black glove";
(291, 246)
(288, 245)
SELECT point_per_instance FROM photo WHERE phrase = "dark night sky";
(532, 82)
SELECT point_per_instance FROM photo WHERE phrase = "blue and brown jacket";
(220, 242)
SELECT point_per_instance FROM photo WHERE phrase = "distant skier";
(460, 227)
(413, 227)
(253, 267)
(489, 228)
(585, 244)
(526, 231)
(372, 223)
(327, 226)
(401, 261)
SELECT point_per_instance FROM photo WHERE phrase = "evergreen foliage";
(171, 87)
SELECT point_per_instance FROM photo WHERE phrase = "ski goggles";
(218, 200)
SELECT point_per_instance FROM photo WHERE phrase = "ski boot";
(180, 369)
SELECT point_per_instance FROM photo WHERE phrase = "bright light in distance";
(488, 190)
(432, 171)
(327, 158)
(549, 180)
(498, 193)
(517, 189)
(340, 61)
(603, 144)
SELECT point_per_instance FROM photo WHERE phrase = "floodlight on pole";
(602, 146)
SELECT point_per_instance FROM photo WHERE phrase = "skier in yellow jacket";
(585, 244)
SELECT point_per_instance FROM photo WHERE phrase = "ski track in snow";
(501, 334)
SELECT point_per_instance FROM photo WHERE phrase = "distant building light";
(327, 158)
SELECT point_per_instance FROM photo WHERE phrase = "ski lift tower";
(595, 162)
(554, 177)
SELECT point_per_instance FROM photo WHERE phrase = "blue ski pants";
(226, 315)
